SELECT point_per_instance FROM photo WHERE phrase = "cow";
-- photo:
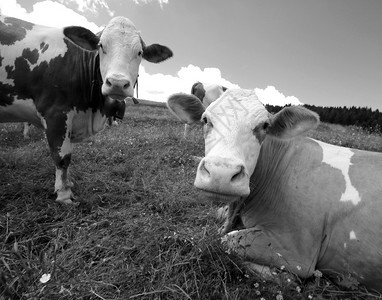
(68, 81)
(205, 93)
(293, 201)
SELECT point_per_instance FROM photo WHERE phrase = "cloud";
(158, 87)
(47, 13)
(93, 6)
(270, 95)
(161, 2)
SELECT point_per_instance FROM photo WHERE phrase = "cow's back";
(26, 51)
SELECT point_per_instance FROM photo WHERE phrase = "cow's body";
(205, 93)
(308, 205)
(67, 81)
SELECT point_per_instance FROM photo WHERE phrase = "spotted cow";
(293, 201)
(68, 81)
(201, 93)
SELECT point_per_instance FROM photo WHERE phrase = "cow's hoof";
(65, 196)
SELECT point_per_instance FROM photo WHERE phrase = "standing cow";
(293, 201)
(204, 93)
(69, 81)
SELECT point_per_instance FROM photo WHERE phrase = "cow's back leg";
(26, 130)
(58, 133)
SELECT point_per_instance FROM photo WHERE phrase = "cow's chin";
(217, 197)
(114, 106)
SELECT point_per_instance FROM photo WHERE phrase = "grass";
(139, 231)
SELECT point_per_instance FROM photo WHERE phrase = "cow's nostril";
(203, 168)
(239, 175)
(108, 83)
(126, 85)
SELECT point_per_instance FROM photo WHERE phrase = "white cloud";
(161, 2)
(270, 95)
(93, 6)
(47, 13)
(158, 87)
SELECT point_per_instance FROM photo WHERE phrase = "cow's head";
(121, 50)
(235, 127)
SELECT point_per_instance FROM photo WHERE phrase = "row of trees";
(368, 119)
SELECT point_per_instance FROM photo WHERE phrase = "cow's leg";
(58, 133)
(26, 130)
(187, 129)
(266, 249)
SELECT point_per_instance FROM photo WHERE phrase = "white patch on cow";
(340, 158)
(67, 147)
(58, 183)
(352, 235)
(53, 37)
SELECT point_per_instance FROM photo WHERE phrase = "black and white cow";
(201, 92)
(68, 81)
(293, 201)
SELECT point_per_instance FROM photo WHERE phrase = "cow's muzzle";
(114, 108)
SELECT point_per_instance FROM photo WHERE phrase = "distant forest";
(368, 119)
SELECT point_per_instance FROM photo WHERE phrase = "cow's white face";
(234, 130)
(120, 56)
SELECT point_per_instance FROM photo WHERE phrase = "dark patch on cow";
(44, 47)
(13, 30)
(82, 37)
(30, 55)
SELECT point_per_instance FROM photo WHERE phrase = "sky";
(316, 52)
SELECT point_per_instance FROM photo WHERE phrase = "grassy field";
(139, 230)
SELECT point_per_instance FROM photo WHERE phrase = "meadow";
(139, 229)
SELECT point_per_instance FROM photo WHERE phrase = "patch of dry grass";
(139, 231)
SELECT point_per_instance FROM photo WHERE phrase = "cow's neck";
(268, 181)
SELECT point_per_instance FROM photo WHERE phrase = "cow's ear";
(187, 108)
(82, 37)
(292, 121)
(156, 53)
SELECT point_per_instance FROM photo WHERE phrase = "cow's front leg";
(58, 135)
(265, 249)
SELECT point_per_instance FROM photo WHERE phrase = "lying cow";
(69, 81)
(293, 201)
(206, 95)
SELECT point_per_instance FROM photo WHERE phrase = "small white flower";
(298, 289)
(298, 268)
(45, 278)
(317, 273)
(282, 268)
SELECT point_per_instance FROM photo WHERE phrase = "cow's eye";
(140, 53)
(205, 120)
(266, 125)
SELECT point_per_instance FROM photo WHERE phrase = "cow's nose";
(222, 176)
(231, 173)
(117, 83)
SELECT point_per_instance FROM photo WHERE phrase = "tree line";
(366, 118)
